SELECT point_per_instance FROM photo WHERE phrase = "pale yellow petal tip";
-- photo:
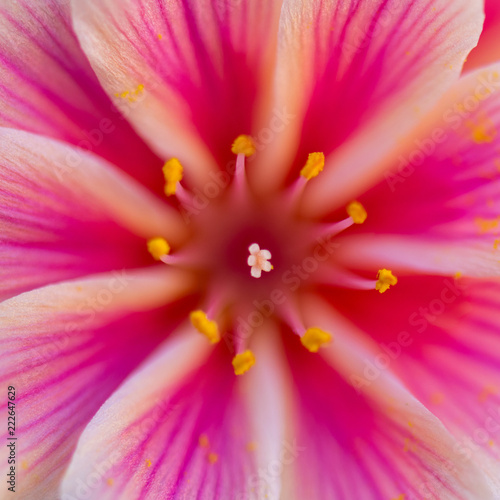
(205, 326)
(173, 171)
(385, 279)
(357, 212)
(243, 361)
(314, 165)
(158, 247)
(314, 338)
(243, 144)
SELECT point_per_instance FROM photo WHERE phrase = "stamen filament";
(184, 196)
(290, 316)
(335, 228)
(338, 277)
(314, 165)
(357, 215)
(243, 147)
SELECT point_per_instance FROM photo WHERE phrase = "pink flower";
(330, 144)
(488, 48)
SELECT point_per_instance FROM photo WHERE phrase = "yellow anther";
(243, 144)
(158, 247)
(314, 165)
(357, 212)
(243, 362)
(314, 338)
(203, 441)
(172, 170)
(487, 225)
(252, 446)
(110, 481)
(205, 326)
(385, 279)
(496, 244)
(148, 463)
(213, 457)
(483, 131)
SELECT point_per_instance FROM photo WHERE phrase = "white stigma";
(258, 260)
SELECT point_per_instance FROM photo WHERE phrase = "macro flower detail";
(258, 260)
(249, 250)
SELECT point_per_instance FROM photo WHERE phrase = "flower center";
(246, 251)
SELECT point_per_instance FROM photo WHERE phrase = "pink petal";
(202, 66)
(356, 76)
(377, 443)
(65, 213)
(178, 426)
(410, 254)
(441, 339)
(47, 86)
(267, 390)
(437, 210)
(65, 348)
(487, 50)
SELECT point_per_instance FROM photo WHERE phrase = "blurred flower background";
(250, 249)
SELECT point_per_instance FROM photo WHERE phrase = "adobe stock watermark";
(419, 321)
(452, 119)
(221, 179)
(291, 280)
(98, 302)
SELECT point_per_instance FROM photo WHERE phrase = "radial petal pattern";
(200, 66)
(446, 188)
(65, 348)
(358, 75)
(66, 213)
(49, 88)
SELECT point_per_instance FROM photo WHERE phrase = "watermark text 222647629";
(11, 438)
